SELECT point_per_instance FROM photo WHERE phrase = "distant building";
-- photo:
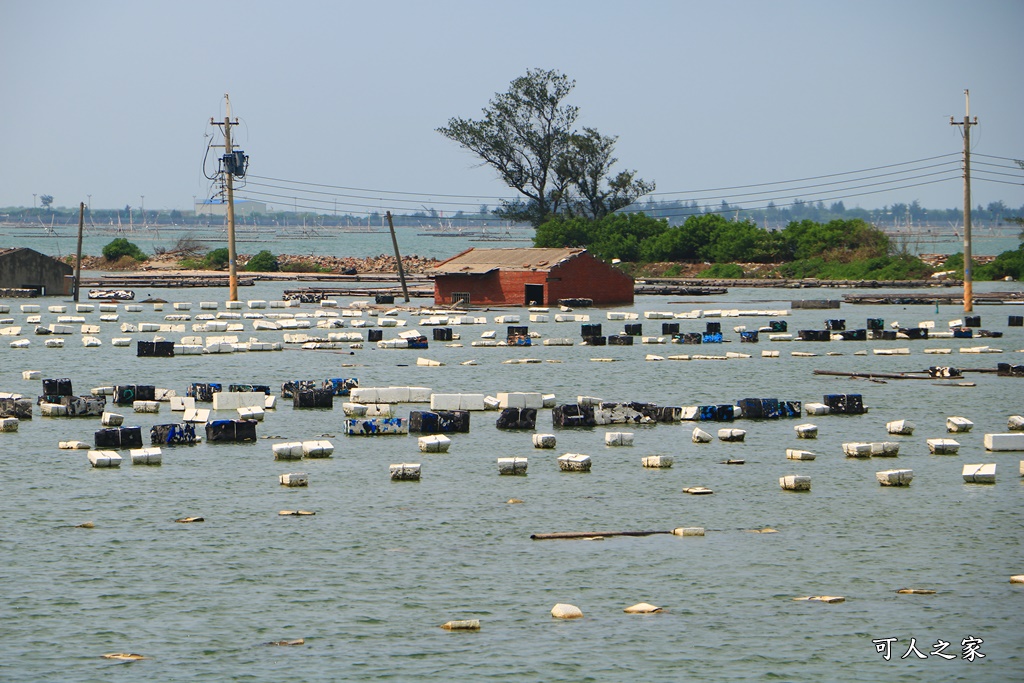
(524, 277)
(22, 268)
(217, 207)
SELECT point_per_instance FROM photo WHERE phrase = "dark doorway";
(534, 295)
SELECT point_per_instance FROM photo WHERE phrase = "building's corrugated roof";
(478, 261)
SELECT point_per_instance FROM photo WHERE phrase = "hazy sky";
(113, 98)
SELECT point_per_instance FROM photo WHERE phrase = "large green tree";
(528, 136)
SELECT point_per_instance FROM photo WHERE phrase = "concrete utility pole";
(229, 180)
(968, 265)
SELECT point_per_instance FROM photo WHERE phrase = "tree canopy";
(528, 136)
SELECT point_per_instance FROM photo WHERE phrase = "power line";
(819, 177)
(796, 202)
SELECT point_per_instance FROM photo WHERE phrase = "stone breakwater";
(333, 264)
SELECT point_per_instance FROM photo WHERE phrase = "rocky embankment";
(331, 264)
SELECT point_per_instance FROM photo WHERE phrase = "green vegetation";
(527, 135)
(215, 259)
(1007, 264)
(839, 249)
(263, 262)
(121, 247)
(303, 266)
(723, 270)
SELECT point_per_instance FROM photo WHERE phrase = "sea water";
(368, 580)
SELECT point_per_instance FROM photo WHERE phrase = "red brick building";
(524, 277)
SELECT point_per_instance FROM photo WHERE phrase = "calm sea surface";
(61, 240)
(368, 580)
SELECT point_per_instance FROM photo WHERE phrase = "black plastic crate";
(313, 398)
(517, 418)
(236, 431)
(57, 387)
(126, 394)
(118, 437)
(172, 434)
(439, 421)
(202, 392)
(155, 349)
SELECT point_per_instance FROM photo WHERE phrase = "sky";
(109, 102)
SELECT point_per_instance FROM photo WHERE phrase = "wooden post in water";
(78, 251)
(398, 257)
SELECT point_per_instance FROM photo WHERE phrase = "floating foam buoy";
(435, 443)
(732, 434)
(294, 479)
(642, 608)
(566, 611)
(698, 491)
(574, 462)
(544, 440)
(405, 471)
(980, 473)
(895, 477)
(512, 466)
(146, 456)
(189, 520)
(958, 424)
(829, 599)
(1017, 578)
(795, 482)
(943, 446)
(797, 454)
(462, 625)
(290, 450)
(287, 643)
(1004, 442)
(700, 436)
(901, 427)
(806, 431)
(688, 531)
(916, 591)
(857, 449)
(123, 656)
(657, 461)
(104, 458)
(295, 513)
(618, 438)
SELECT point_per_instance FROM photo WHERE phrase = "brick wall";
(580, 277)
(588, 277)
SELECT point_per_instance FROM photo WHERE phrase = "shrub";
(263, 262)
(216, 258)
(303, 267)
(122, 247)
(190, 264)
(723, 270)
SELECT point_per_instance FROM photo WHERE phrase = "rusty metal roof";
(479, 261)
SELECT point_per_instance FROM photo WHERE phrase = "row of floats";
(224, 322)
